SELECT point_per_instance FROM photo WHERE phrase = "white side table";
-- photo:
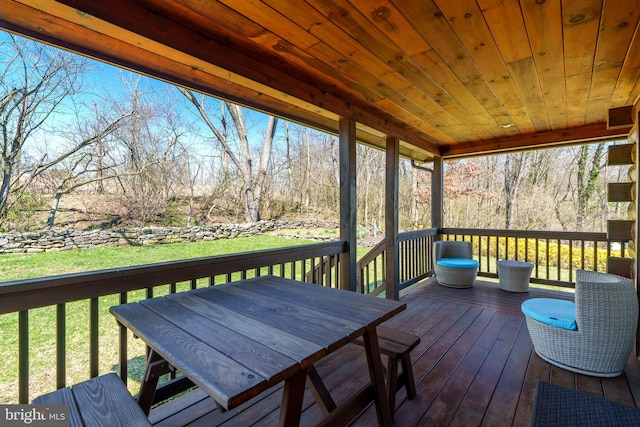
(514, 275)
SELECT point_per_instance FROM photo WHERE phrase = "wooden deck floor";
(474, 366)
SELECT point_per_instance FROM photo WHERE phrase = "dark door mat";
(559, 406)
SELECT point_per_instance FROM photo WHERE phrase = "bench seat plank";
(100, 401)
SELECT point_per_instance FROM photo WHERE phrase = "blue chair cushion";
(457, 263)
(554, 312)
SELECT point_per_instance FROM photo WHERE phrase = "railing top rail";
(562, 235)
(43, 291)
(372, 254)
(416, 234)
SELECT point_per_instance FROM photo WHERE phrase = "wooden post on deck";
(437, 196)
(619, 155)
(634, 138)
(392, 259)
(348, 208)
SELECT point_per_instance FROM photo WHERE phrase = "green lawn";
(42, 321)
(25, 266)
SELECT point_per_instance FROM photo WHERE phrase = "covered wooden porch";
(474, 366)
(427, 80)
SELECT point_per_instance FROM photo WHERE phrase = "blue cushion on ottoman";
(457, 263)
(554, 312)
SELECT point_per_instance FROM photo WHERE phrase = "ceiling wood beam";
(581, 135)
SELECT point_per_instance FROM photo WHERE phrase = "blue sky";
(105, 80)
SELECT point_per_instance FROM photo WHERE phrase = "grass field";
(42, 321)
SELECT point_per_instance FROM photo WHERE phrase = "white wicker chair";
(454, 277)
(607, 320)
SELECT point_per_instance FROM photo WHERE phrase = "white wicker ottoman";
(514, 275)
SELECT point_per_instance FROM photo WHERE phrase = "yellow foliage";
(550, 252)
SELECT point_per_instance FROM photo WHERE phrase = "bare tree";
(253, 179)
(590, 163)
(37, 83)
(153, 143)
(84, 159)
(515, 169)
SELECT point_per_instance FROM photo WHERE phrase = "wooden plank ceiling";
(447, 77)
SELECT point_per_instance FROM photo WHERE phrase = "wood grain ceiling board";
(389, 21)
(450, 77)
(469, 25)
(627, 87)
(581, 21)
(361, 64)
(427, 18)
(543, 22)
(617, 27)
(396, 70)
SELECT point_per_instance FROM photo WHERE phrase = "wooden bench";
(100, 401)
(397, 346)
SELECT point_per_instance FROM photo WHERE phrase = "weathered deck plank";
(474, 366)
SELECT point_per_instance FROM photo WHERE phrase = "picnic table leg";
(376, 374)
(292, 397)
(319, 391)
(156, 366)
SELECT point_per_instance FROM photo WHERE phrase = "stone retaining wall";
(61, 240)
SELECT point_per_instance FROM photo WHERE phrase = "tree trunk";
(54, 207)
(6, 185)
(514, 168)
(588, 173)
(252, 212)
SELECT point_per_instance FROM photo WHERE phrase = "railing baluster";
(23, 356)
(412, 262)
(93, 340)
(547, 258)
(537, 263)
(61, 345)
(123, 343)
(571, 243)
(488, 253)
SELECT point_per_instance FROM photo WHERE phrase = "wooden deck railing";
(556, 255)
(415, 262)
(57, 292)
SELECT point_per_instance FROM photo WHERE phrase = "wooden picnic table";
(236, 340)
